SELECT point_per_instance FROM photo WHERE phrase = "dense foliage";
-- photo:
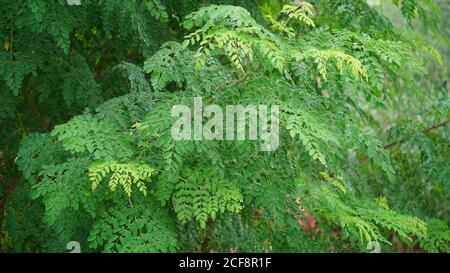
(86, 152)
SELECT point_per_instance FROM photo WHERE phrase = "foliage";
(134, 229)
(88, 99)
(438, 237)
(124, 174)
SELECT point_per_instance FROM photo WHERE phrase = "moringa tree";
(87, 154)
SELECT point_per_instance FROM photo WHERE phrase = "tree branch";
(426, 130)
(387, 146)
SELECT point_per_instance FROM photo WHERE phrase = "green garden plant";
(87, 155)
